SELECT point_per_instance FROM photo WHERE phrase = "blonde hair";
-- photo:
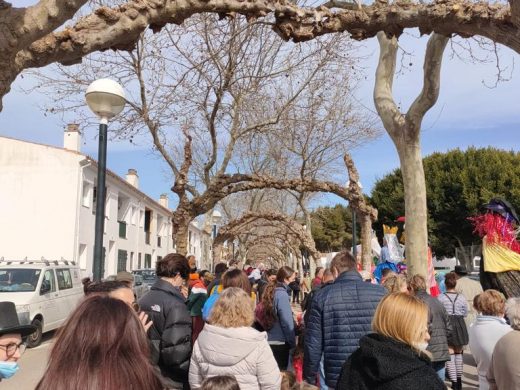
(513, 312)
(417, 283)
(234, 308)
(491, 303)
(288, 380)
(401, 317)
(394, 283)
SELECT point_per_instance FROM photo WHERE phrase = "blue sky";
(466, 114)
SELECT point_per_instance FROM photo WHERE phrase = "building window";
(133, 218)
(158, 241)
(108, 205)
(139, 261)
(82, 256)
(141, 218)
(122, 229)
(94, 200)
(147, 220)
(147, 260)
(85, 199)
(122, 256)
(64, 279)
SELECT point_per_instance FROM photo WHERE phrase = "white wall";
(38, 195)
(47, 209)
(133, 204)
(200, 245)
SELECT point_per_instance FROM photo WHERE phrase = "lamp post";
(106, 99)
(354, 223)
(216, 217)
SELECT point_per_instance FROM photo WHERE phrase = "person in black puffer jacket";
(170, 334)
(340, 315)
(394, 357)
(438, 324)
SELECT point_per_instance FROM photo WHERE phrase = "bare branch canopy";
(30, 38)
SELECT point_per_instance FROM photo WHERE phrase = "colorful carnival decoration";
(391, 253)
(392, 257)
(432, 282)
(498, 227)
(394, 251)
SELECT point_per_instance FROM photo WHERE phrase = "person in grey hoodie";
(439, 325)
(488, 328)
(228, 345)
(275, 315)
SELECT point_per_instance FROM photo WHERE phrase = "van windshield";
(18, 279)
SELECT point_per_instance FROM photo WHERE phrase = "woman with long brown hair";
(102, 346)
(275, 315)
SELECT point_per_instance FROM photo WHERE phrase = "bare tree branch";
(26, 25)
(259, 228)
(119, 27)
(515, 11)
(405, 133)
(431, 84)
(383, 96)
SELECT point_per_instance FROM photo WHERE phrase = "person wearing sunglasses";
(11, 339)
(118, 290)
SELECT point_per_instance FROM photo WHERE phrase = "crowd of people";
(236, 329)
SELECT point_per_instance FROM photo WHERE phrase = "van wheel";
(35, 339)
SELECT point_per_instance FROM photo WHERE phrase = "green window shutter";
(122, 257)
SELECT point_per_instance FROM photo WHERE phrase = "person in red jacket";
(316, 282)
(194, 275)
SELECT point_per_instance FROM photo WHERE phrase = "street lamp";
(354, 233)
(216, 217)
(106, 99)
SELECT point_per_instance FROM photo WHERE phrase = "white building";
(47, 209)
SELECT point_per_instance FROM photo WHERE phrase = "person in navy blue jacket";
(340, 315)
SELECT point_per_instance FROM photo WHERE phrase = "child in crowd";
(288, 380)
(223, 382)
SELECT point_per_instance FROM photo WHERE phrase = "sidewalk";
(470, 378)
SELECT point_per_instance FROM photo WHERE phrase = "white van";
(44, 292)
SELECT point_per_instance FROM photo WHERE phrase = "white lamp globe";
(105, 98)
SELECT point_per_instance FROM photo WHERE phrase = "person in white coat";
(228, 345)
(485, 332)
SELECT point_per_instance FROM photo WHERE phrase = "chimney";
(163, 200)
(132, 178)
(72, 137)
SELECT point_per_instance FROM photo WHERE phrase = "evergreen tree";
(458, 183)
(332, 228)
